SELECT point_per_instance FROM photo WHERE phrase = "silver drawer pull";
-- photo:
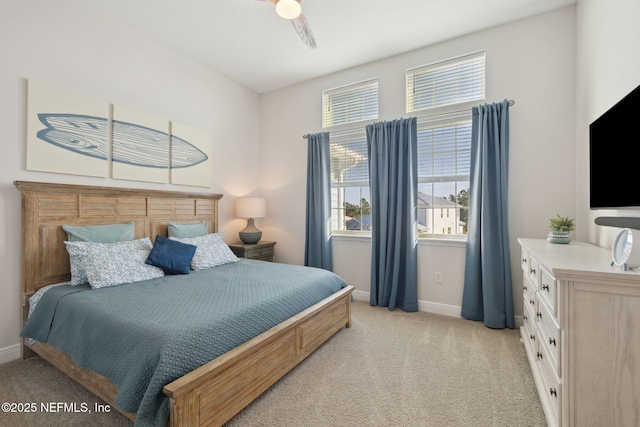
(524, 317)
(532, 302)
(533, 337)
(539, 355)
(552, 341)
(524, 260)
(545, 288)
(524, 288)
(532, 271)
(553, 392)
(538, 314)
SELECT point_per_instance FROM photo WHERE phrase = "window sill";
(422, 241)
(443, 241)
(351, 236)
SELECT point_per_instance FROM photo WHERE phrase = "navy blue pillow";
(171, 256)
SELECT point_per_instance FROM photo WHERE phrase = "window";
(444, 140)
(446, 82)
(351, 103)
(350, 208)
(444, 156)
(444, 145)
(444, 150)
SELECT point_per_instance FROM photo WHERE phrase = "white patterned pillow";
(111, 264)
(211, 251)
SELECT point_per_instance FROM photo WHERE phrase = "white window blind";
(351, 103)
(444, 149)
(447, 82)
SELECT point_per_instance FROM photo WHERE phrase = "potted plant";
(559, 227)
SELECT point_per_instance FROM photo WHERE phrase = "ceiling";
(246, 41)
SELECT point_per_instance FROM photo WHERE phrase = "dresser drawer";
(548, 288)
(529, 293)
(534, 272)
(529, 323)
(524, 260)
(549, 334)
(553, 387)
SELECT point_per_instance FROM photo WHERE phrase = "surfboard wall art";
(69, 133)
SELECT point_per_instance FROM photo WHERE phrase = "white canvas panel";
(190, 155)
(67, 132)
(140, 146)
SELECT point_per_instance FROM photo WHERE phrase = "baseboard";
(518, 321)
(426, 306)
(432, 307)
(438, 308)
(10, 353)
(360, 295)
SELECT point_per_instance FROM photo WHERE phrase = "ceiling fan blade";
(303, 30)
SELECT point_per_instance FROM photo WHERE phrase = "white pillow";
(111, 264)
(211, 251)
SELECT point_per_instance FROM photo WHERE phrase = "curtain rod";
(510, 103)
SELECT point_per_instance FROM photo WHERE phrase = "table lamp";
(250, 208)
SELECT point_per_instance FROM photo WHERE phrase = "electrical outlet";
(438, 277)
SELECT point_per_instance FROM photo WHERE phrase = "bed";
(212, 393)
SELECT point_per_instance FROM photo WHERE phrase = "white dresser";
(581, 333)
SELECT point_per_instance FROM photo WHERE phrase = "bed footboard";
(215, 392)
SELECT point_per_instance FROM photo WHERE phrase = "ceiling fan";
(291, 10)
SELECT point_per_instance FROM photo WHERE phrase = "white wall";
(69, 46)
(530, 61)
(608, 68)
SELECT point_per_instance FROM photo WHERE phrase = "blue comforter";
(144, 335)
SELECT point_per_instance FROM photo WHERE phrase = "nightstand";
(262, 251)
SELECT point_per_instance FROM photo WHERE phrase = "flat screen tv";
(614, 172)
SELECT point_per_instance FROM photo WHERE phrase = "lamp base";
(250, 234)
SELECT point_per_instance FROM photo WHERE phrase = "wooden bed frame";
(213, 393)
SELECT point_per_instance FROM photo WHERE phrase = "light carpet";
(388, 369)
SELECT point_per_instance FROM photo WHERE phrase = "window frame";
(433, 122)
(352, 134)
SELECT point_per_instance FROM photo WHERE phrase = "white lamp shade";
(626, 248)
(251, 207)
(288, 9)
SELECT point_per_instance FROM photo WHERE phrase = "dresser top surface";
(577, 258)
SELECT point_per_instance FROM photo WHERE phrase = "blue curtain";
(487, 294)
(393, 179)
(317, 250)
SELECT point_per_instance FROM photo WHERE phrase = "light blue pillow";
(177, 229)
(109, 233)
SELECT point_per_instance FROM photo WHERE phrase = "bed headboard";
(46, 207)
